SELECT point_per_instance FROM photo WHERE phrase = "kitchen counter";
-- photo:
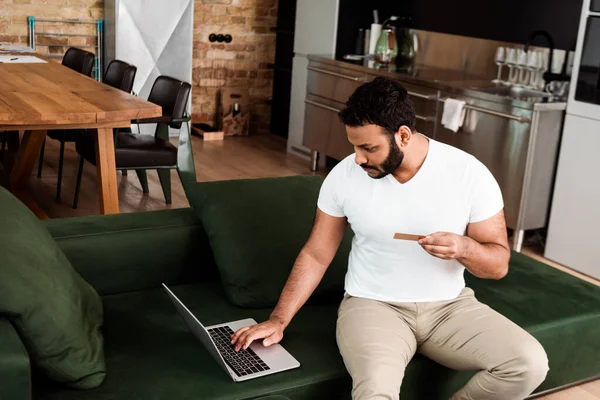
(450, 81)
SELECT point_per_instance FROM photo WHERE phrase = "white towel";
(454, 114)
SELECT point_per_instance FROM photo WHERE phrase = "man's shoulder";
(452, 157)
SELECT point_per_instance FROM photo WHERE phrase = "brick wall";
(13, 22)
(241, 63)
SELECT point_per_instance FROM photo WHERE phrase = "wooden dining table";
(37, 97)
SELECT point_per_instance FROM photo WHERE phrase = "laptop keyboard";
(243, 362)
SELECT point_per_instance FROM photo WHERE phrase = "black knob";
(212, 38)
(220, 38)
(228, 38)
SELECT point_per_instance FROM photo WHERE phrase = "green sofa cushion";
(256, 229)
(55, 312)
(151, 353)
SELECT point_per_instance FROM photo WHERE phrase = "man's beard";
(389, 165)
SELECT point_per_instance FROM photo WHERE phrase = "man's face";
(376, 152)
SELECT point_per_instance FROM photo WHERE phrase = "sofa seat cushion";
(151, 353)
(256, 228)
(560, 310)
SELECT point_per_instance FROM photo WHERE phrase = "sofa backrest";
(137, 251)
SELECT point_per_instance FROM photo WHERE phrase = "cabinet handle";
(426, 119)
(496, 113)
(422, 96)
(324, 71)
(314, 103)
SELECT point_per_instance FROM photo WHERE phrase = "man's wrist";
(466, 245)
(279, 319)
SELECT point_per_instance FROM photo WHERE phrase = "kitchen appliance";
(386, 48)
(575, 215)
(315, 33)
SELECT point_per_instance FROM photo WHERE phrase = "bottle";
(359, 47)
(236, 109)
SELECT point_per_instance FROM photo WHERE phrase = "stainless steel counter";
(454, 82)
(515, 135)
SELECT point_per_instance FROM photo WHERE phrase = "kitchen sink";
(514, 92)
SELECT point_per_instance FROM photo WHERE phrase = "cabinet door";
(500, 144)
(333, 83)
(317, 125)
(339, 147)
(323, 130)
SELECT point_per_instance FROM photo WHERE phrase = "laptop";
(254, 362)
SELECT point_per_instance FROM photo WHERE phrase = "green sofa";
(151, 354)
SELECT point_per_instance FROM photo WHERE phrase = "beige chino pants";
(378, 339)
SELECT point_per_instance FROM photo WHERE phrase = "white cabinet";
(575, 215)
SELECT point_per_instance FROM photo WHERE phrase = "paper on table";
(14, 59)
(15, 48)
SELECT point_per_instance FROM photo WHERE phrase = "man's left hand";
(444, 245)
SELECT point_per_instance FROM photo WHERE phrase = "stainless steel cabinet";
(498, 142)
(519, 147)
(323, 130)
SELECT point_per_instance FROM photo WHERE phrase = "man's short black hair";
(383, 102)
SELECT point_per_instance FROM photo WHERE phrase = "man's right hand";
(271, 331)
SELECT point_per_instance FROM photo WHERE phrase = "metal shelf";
(98, 67)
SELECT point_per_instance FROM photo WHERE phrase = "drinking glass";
(500, 60)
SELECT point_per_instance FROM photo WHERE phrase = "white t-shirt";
(450, 190)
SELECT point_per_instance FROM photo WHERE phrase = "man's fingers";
(272, 339)
(438, 238)
(242, 339)
(257, 334)
(236, 335)
(436, 248)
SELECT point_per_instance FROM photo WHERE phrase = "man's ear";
(403, 136)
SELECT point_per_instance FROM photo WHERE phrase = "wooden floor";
(234, 158)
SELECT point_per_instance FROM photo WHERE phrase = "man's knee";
(376, 384)
(528, 366)
(535, 364)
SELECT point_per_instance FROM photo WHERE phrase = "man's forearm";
(304, 278)
(485, 260)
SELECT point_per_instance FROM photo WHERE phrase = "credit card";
(407, 236)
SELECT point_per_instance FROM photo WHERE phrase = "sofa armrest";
(14, 364)
(135, 251)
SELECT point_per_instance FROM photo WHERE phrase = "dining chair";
(142, 152)
(119, 75)
(79, 60)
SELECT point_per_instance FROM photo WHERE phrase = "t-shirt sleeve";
(331, 195)
(486, 196)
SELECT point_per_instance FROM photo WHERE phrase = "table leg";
(107, 171)
(25, 159)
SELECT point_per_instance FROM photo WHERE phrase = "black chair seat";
(132, 150)
(65, 135)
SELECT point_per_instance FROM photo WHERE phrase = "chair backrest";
(79, 60)
(172, 95)
(120, 75)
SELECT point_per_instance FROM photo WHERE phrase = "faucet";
(548, 75)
